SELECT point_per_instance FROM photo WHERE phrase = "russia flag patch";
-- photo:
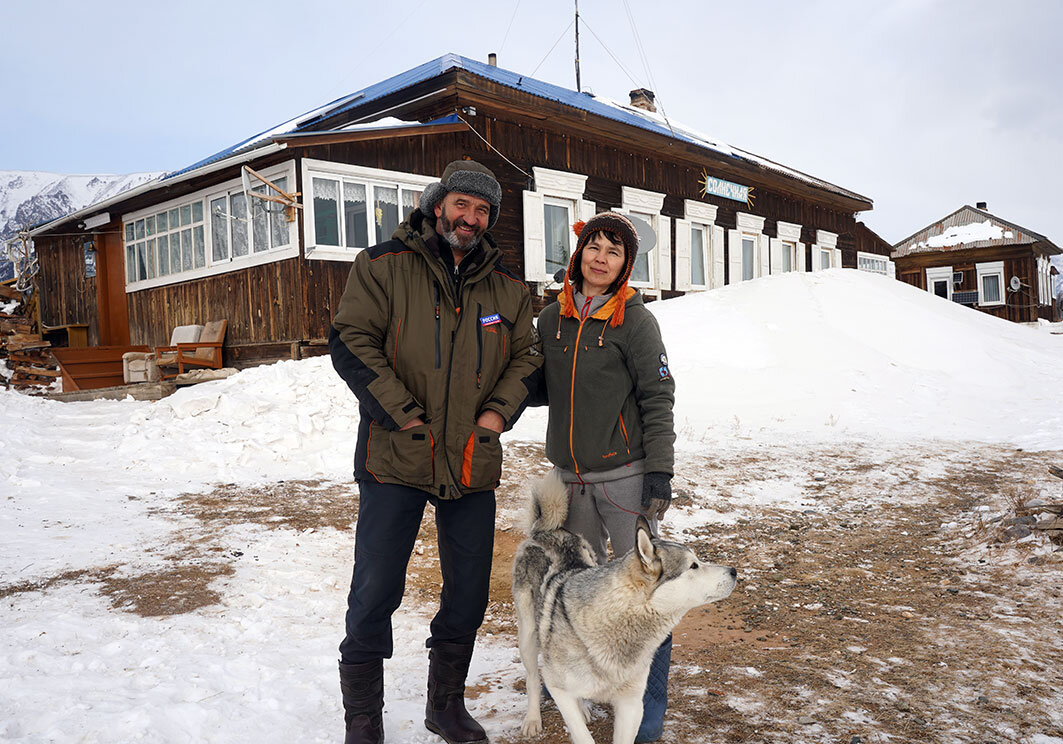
(490, 319)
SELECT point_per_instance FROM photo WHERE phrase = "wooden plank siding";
(66, 294)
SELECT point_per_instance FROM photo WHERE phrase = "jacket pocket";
(401, 455)
(481, 461)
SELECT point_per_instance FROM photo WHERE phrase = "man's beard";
(462, 243)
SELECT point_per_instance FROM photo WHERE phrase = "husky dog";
(598, 627)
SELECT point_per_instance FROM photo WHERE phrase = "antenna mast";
(578, 89)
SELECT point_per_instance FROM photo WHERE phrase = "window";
(787, 250)
(353, 207)
(212, 231)
(749, 256)
(990, 283)
(550, 210)
(698, 248)
(825, 252)
(874, 263)
(939, 281)
(749, 249)
(653, 270)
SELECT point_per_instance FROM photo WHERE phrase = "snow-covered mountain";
(29, 198)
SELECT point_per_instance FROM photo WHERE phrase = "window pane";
(150, 222)
(129, 232)
(141, 262)
(787, 257)
(558, 229)
(150, 257)
(197, 211)
(201, 248)
(186, 215)
(164, 255)
(238, 223)
(219, 230)
(991, 288)
(130, 260)
(409, 202)
(749, 255)
(140, 229)
(175, 221)
(260, 220)
(175, 253)
(326, 212)
(941, 288)
(697, 256)
(385, 212)
(824, 259)
(278, 220)
(161, 222)
(354, 216)
(186, 249)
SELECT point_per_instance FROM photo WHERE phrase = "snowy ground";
(176, 571)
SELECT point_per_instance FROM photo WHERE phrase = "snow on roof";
(588, 102)
(972, 232)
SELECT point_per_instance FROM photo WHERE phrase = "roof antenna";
(578, 89)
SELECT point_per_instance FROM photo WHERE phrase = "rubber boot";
(655, 699)
(445, 714)
(362, 686)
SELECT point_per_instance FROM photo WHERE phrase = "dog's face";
(681, 581)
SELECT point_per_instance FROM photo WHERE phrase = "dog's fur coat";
(597, 627)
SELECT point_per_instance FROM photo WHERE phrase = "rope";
(499, 152)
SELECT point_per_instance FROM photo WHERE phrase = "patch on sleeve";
(663, 369)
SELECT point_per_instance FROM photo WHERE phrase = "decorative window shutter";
(682, 255)
(891, 269)
(664, 253)
(734, 245)
(776, 256)
(587, 209)
(836, 259)
(800, 264)
(815, 258)
(763, 250)
(715, 267)
(534, 238)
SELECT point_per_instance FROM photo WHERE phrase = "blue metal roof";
(583, 101)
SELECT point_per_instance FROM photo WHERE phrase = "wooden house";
(980, 260)
(197, 244)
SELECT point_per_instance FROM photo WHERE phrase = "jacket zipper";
(479, 343)
(572, 399)
(439, 362)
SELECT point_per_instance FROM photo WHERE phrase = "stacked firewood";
(30, 365)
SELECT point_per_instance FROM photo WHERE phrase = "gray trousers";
(605, 512)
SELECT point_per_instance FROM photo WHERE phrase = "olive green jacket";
(412, 341)
(610, 389)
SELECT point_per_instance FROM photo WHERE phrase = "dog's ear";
(644, 547)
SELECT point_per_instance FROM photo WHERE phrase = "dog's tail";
(549, 504)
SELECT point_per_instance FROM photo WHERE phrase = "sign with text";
(726, 189)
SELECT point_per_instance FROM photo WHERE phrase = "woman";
(610, 431)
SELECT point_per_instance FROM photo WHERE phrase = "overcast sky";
(922, 106)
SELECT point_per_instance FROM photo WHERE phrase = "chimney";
(981, 205)
(492, 59)
(643, 99)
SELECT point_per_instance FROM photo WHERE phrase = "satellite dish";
(1015, 284)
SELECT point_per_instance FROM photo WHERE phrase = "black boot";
(362, 686)
(445, 714)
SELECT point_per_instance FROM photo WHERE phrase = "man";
(435, 338)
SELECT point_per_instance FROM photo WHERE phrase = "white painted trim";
(788, 231)
(559, 183)
(990, 268)
(749, 222)
(826, 239)
(941, 273)
(361, 171)
(874, 258)
(696, 211)
(640, 200)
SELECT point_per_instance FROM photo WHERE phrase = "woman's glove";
(656, 494)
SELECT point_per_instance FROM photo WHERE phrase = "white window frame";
(559, 188)
(748, 226)
(873, 263)
(941, 273)
(698, 216)
(787, 240)
(990, 268)
(826, 248)
(210, 268)
(648, 204)
(361, 175)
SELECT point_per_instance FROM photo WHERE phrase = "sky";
(921, 105)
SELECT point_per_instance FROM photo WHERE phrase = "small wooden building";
(196, 245)
(980, 260)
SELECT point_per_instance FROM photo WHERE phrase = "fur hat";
(464, 177)
(610, 222)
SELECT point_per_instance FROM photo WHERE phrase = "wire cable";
(559, 38)
(510, 26)
(473, 130)
(609, 51)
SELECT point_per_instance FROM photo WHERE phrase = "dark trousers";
(389, 517)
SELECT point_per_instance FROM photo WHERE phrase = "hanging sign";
(726, 189)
